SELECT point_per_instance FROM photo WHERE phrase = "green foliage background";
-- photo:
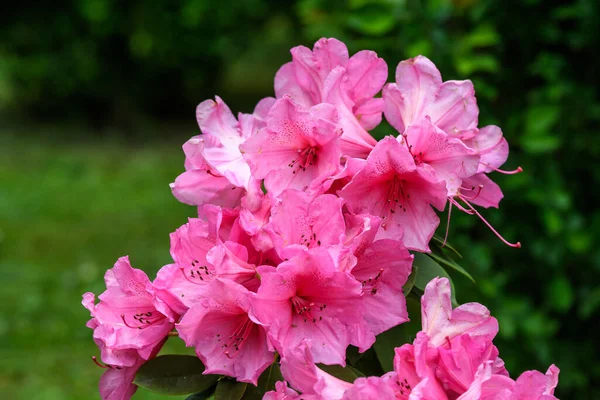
(97, 96)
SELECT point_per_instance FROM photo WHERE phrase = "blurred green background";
(96, 98)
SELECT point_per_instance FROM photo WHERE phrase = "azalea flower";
(130, 326)
(298, 149)
(227, 338)
(391, 187)
(328, 75)
(306, 297)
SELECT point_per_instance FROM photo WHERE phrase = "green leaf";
(174, 375)
(366, 363)
(438, 242)
(410, 282)
(205, 395)
(230, 389)
(397, 336)
(452, 264)
(427, 269)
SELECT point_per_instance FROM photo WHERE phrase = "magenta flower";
(533, 385)
(298, 149)
(419, 92)
(283, 392)
(200, 183)
(382, 269)
(298, 219)
(117, 383)
(369, 388)
(441, 323)
(449, 158)
(129, 323)
(327, 75)
(305, 297)
(227, 338)
(216, 173)
(299, 369)
(391, 186)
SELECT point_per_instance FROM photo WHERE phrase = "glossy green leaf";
(427, 269)
(410, 282)
(366, 363)
(444, 246)
(205, 395)
(405, 333)
(452, 264)
(174, 375)
(230, 389)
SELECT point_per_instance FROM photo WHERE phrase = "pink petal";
(455, 107)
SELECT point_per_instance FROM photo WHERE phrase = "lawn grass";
(67, 212)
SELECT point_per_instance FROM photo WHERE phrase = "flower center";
(143, 320)
(371, 284)
(197, 274)
(307, 310)
(396, 199)
(305, 158)
(233, 342)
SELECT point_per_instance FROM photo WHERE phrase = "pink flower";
(216, 172)
(419, 92)
(298, 219)
(451, 107)
(299, 369)
(227, 338)
(129, 323)
(460, 360)
(298, 149)
(200, 183)
(282, 392)
(449, 158)
(531, 385)
(392, 187)
(305, 297)
(441, 323)
(493, 150)
(117, 383)
(382, 268)
(444, 359)
(328, 75)
(369, 388)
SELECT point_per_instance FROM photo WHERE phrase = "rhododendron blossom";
(299, 258)
(227, 339)
(391, 187)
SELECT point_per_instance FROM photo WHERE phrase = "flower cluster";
(451, 358)
(301, 244)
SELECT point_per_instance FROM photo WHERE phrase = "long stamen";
(182, 269)
(447, 224)
(127, 325)
(502, 171)
(95, 360)
(237, 338)
(306, 157)
(305, 309)
(144, 319)
(461, 208)
(370, 285)
(479, 188)
(517, 245)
